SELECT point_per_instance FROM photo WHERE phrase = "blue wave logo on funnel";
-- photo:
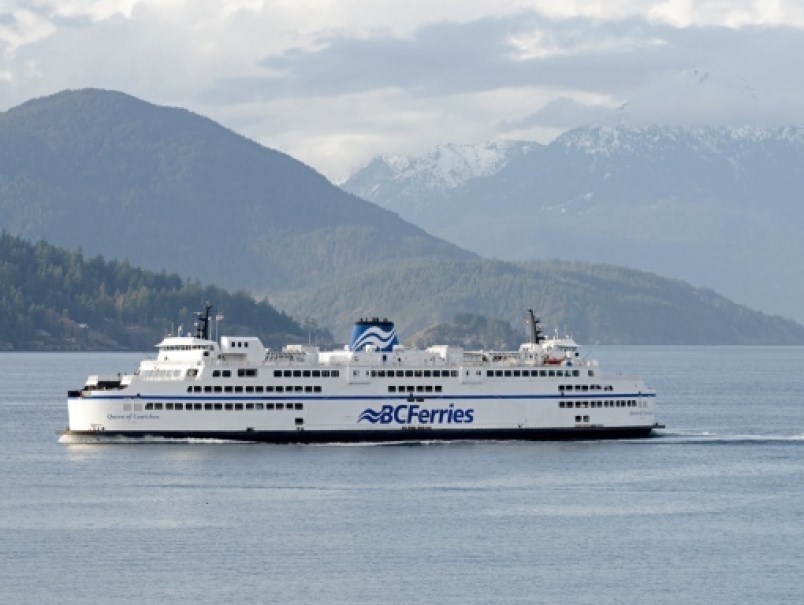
(377, 332)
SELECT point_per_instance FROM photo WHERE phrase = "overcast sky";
(335, 82)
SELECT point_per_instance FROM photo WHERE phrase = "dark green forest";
(54, 299)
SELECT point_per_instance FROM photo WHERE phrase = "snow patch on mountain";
(610, 141)
(408, 184)
(449, 165)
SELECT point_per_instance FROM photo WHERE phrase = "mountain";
(104, 173)
(719, 207)
(55, 299)
(164, 187)
(598, 303)
(405, 183)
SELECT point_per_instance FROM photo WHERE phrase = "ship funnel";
(375, 331)
(536, 336)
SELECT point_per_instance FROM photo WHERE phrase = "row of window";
(612, 403)
(216, 388)
(489, 373)
(186, 348)
(252, 373)
(241, 372)
(150, 374)
(585, 387)
(534, 373)
(218, 406)
(414, 373)
(426, 388)
(307, 373)
(619, 403)
(166, 374)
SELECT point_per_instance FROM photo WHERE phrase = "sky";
(335, 82)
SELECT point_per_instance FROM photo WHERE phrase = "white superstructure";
(373, 390)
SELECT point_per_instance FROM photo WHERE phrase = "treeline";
(472, 332)
(55, 299)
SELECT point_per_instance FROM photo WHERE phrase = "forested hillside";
(597, 303)
(58, 300)
(470, 331)
(166, 188)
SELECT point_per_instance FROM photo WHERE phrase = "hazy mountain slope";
(164, 187)
(715, 206)
(598, 303)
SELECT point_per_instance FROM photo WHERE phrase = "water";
(712, 511)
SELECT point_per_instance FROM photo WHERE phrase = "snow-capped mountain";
(720, 207)
(406, 182)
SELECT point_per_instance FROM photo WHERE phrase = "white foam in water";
(710, 437)
(147, 440)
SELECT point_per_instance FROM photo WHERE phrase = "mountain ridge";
(106, 171)
(717, 207)
(599, 303)
(109, 174)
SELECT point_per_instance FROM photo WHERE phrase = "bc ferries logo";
(378, 333)
(408, 414)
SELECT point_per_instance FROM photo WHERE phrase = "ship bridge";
(186, 349)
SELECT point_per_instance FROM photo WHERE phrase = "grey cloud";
(441, 59)
(562, 113)
(630, 59)
(73, 21)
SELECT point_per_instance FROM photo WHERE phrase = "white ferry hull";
(308, 420)
(373, 391)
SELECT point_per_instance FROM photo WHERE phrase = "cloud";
(456, 58)
(563, 113)
(25, 25)
(631, 60)
(334, 82)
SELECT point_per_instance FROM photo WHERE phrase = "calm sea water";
(711, 511)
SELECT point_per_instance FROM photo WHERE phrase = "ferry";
(373, 390)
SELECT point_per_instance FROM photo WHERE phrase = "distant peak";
(80, 95)
(450, 165)
(619, 139)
